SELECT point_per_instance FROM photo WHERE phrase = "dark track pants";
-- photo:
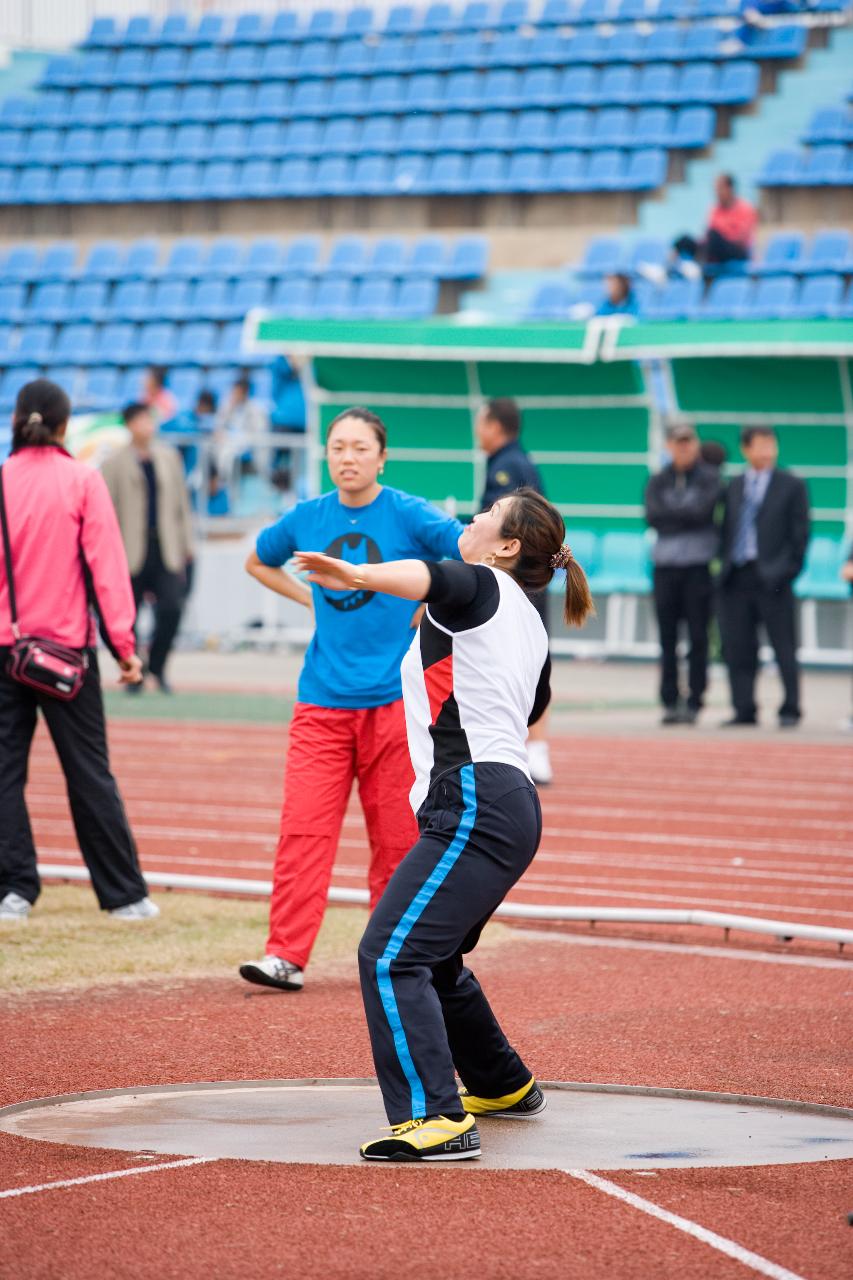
(480, 828)
(744, 603)
(169, 592)
(683, 593)
(80, 738)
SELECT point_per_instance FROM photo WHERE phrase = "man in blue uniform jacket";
(508, 468)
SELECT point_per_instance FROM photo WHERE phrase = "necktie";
(744, 545)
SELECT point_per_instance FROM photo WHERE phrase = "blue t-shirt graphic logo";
(354, 657)
(355, 548)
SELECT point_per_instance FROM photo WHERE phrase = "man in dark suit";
(764, 538)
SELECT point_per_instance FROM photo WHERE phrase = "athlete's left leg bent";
(385, 778)
(480, 829)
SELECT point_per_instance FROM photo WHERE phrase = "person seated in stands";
(287, 414)
(196, 422)
(156, 394)
(240, 426)
(728, 237)
(619, 298)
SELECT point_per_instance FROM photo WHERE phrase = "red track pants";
(329, 749)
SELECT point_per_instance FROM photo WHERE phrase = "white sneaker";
(144, 909)
(14, 907)
(273, 971)
(539, 763)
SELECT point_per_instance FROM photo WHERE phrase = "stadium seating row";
(455, 174)
(827, 166)
(228, 258)
(536, 130)
(658, 83)
(729, 298)
(437, 19)
(106, 388)
(830, 124)
(786, 253)
(668, 42)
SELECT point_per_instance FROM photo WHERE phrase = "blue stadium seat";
(539, 87)
(678, 300)
(359, 21)
(421, 132)
(605, 171)
(666, 43)
(200, 103)
(456, 131)
(292, 296)
(829, 124)
(380, 135)
(193, 142)
(780, 169)
(278, 63)
(169, 300)
(81, 146)
(262, 259)
(820, 297)
(167, 66)
(772, 299)
(58, 110)
(48, 304)
(653, 127)
(249, 28)
(67, 72)
(354, 58)
(309, 98)
(603, 256)
(13, 146)
(527, 172)
(646, 170)
(508, 50)
(139, 31)
(465, 91)
(374, 298)
(657, 84)
(117, 344)
(196, 344)
(626, 45)
(694, 127)
(102, 34)
(828, 251)
(131, 300)
(339, 136)
(144, 182)
(386, 258)
(103, 262)
(821, 576)
(439, 18)
(566, 171)
(401, 20)
(701, 42)
(573, 128)
(578, 86)
(468, 260)
(428, 257)
(333, 176)
(185, 385)
(228, 141)
(348, 97)
(347, 257)
(416, 299)
(303, 138)
(223, 258)
(447, 175)
(266, 139)
(624, 566)
(154, 143)
(822, 166)
(492, 131)
(142, 259)
(44, 147)
(487, 173)
(409, 174)
(209, 300)
(156, 343)
(738, 83)
(109, 183)
(183, 180)
(535, 131)
(242, 63)
(391, 56)
(697, 84)
(296, 177)
(124, 107)
(72, 186)
(726, 299)
(647, 252)
(551, 301)
(68, 376)
(248, 294)
(589, 46)
(13, 304)
(35, 345)
(301, 256)
(323, 22)
(612, 127)
(175, 31)
(284, 26)
(99, 390)
(132, 67)
(316, 58)
(58, 262)
(117, 145)
(775, 42)
(34, 186)
(781, 256)
(333, 297)
(12, 381)
(558, 13)
(386, 95)
(220, 181)
(371, 175)
(425, 92)
(237, 102)
(75, 344)
(619, 86)
(205, 66)
(16, 112)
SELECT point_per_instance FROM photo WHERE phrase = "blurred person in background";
(847, 576)
(62, 531)
(498, 432)
(146, 482)
(241, 424)
(681, 501)
(348, 722)
(287, 414)
(729, 235)
(619, 298)
(199, 421)
(764, 539)
(156, 394)
(714, 453)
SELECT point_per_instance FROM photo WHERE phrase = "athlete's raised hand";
(326, 571)
(407, 578)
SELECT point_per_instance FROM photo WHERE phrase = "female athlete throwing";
(476, 675)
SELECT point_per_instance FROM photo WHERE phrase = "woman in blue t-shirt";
(348, 721)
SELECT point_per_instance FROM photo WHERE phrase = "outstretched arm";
(409, 579)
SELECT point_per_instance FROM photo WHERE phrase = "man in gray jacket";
(147, 485)
(680, 504)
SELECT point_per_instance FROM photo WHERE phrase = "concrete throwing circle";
(324, 1121)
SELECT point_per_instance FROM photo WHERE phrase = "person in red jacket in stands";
(729, 235)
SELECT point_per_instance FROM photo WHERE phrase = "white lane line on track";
(722, 952)
(105, 1177)
(755, 1262)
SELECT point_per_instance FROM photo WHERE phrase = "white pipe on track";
(782, 930)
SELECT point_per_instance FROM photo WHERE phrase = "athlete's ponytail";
(539, 528)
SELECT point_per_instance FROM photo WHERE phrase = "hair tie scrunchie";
(561, 559)
(35, 420)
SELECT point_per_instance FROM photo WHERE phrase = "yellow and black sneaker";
(429, 1138)
(526, 1102)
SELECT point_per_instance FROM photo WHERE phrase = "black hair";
(714, 452)
(730, 179)
(41, 408)
(625, 282)
(207, 398)
(135, 410)
(159, 373)
(539, 528)
(244, 382)
(507, 413)
(362, 415)
(747, 434)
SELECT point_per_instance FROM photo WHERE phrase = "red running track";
(751, 828)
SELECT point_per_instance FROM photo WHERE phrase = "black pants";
(744, 602)
(168, 590)
(426, 1013)
(79, 735)
(715, 248)
(683, 594)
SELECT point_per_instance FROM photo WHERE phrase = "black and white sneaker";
(273, 971)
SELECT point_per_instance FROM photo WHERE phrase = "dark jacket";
(680, 506)
(507, 470)
(782, 528)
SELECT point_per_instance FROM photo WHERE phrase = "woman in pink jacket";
(59, 514)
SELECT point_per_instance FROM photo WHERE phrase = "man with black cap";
(680, 504)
